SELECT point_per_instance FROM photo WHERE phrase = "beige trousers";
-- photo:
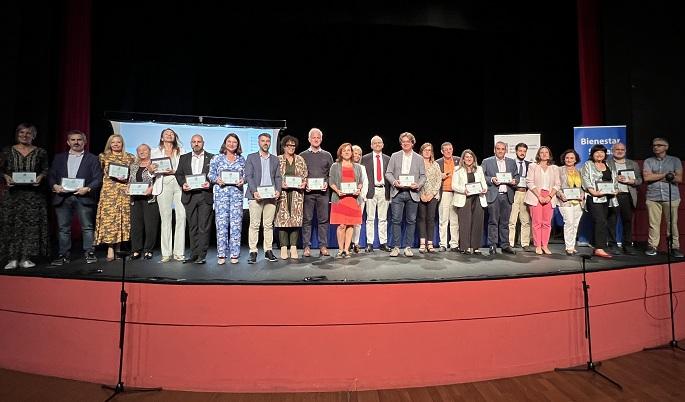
(519, 210)
(655, 210)
(261, 212)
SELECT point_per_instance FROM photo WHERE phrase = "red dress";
(346, 211)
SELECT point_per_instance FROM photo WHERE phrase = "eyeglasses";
(289, 145)
(658, 145)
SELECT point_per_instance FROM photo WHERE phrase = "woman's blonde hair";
(108, 145)
(461, 160)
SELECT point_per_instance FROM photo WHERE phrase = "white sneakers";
(23, 264)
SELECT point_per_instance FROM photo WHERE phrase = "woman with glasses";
(293, 170)
(429, 194)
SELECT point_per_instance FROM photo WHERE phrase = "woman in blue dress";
(228, 198)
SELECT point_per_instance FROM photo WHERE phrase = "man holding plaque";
(407, 173)
(629, 178)
(263, 188)
(316, 196)
(197, 197)
(502, 177)
(447, 212)
(378, 194)
(75, 177)
(661, 172)
(519, 210)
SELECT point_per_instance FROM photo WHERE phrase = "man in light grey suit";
(407, 174)
(261, 170)
(627, 198)
(500, 196)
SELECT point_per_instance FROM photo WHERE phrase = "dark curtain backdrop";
(442, 71)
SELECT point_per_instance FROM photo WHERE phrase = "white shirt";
(546, 178)
(73, 163)
(377, 157)
(502, 168)
(197, 162)
(406, 162)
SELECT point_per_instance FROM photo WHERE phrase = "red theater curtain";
(74, 74)
(590, 63)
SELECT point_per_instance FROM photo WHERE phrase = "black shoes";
(492, 250)
(384, 247)
(269, 255)
(252, 259)
(90, 257)
(60, 260)
(508, 250)
(369, 248)
(200, 260)
(528, 249)
(192, 258)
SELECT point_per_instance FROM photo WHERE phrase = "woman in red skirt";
(345, 179)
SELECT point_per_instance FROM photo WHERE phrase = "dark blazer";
(253, 173)
(441, 163)
(89, 170)
(185, 168)
(490, 170)
(368, 162)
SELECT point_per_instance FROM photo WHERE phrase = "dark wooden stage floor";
(376, 267)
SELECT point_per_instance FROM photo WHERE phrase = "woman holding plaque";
(571, 197)
(293, 170)
(543, 184)
(227, 172)
(430, 194)
(345, 179)
(23, 209)
(469, 188)
(144, 209)
(600, 182)
(113, 219)
(168, 194)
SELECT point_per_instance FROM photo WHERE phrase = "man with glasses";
(660, 172)
(629, 178)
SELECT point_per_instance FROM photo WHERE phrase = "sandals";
(422, 249)
(429, 248)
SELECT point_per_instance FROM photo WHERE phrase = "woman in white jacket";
(469, 188)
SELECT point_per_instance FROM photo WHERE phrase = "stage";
(376, 267)
(373, 322)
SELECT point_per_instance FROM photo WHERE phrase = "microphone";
(669, 177)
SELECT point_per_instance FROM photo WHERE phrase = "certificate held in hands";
(24, 177)
(138, 188)
(605, 187)
(628, 174)
(315, 183)
(163, 164)
(349, 187)
(474, 188)
(196, 181)
(504, 177)
(406, 180)
(70, 185)
(117, 171)
(266, 192)
(230, 178)
(573, 193)
(293, 181)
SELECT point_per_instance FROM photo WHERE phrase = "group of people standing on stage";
(286, 191)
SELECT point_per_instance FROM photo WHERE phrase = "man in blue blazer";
(261, 170)
(75, 164)
(405, 196)
(500, 196)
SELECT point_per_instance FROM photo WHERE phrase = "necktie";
(379, 174)
(520, 168)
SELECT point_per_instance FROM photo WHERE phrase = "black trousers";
(471, 217)
(144, 225)
(199, 218)
(625, 209)
(499, 212)
(600, 218)
(315, 200)
(426, 219)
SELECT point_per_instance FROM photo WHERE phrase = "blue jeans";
(86, 217)
(403, 204)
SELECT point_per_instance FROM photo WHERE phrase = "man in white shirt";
(378, 194)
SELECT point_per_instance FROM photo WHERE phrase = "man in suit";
(627, 198)
(405, 164)
(519, 209)
(261, 170)
(447, 212)
(196, 201)
(75, 164)
(500, 196)
(378, 195)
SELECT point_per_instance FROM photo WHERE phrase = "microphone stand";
(590, 366)
(673, 344)
(119, 387)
